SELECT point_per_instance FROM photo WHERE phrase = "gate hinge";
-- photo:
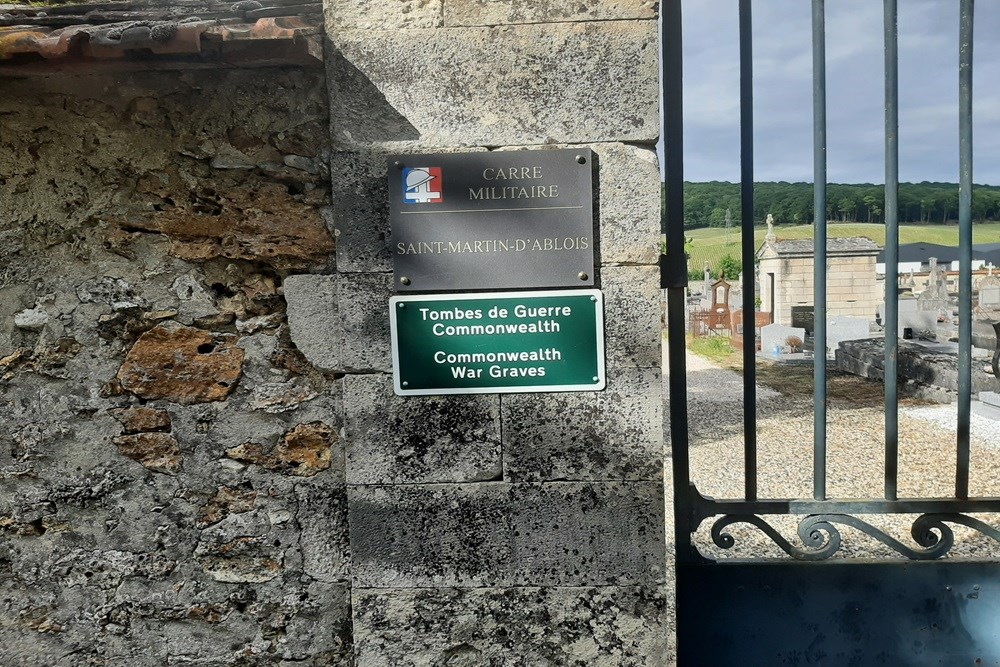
(673, 273)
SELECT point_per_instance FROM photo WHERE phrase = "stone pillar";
(496, 529)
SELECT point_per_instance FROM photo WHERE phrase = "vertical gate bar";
(965, 246)
(675, 276)
(747, 247)
(819, 249)
(891, 322)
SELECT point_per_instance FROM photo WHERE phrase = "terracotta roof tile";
(98, 31)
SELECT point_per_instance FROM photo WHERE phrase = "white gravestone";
(922, 323)
(989, 297)
(845, 328)
(776, 334)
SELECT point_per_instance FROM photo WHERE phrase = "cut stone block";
(515, 85)
(326, 552)
(364, 320)
(321, 631)
(383, 14)
(499, 12)
(394, 440)
(313, 318)
(514, 626)
(626, 187)
(361, 217)
(570, 534)
(341, 322)
(613, 434)
(631, 315)
(496, 534)
(430, 535)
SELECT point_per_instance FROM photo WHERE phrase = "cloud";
(928, 80)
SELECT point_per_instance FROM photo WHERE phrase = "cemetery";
(927, 309)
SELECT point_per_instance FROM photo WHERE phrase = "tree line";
(706, 204)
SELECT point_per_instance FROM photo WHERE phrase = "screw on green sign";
(501, 342)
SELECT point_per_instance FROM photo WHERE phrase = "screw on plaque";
(581, 159)
(398, 164)
(582, 276)
(404, 280)
(595, 378)
(402, 305)
(593, 298)
(406, 384)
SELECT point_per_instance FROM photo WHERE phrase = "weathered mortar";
(171, 470)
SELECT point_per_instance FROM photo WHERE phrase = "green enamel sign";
(501, 342)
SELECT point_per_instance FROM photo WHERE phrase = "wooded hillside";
(705, 204)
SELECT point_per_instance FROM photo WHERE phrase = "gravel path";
(855, 462)
(984, 432)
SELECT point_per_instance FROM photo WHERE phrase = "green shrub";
(730, 268)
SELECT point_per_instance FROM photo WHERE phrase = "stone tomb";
(786, 277)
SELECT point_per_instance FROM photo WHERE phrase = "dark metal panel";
(819, 248)
(492, 220)
(675, 279)
(965, 246)
(839, 613)
(747, 222)
(891, 321)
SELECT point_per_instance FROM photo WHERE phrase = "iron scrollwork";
(821, 539)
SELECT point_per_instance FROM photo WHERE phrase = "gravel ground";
(855, 462)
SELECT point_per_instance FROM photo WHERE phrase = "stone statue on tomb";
(770, 238)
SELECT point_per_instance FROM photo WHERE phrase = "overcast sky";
(928, 84)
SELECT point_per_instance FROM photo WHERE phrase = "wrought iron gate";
(923, 607)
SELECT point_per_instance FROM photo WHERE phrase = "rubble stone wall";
(515, 529)
(171, 469)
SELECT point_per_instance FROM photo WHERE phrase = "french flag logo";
(422, 185)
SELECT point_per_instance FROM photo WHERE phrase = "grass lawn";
(713, 243)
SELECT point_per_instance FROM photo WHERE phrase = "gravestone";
(921, 323)
(802, 317)
(989, 293)
(989, 297)
(934, 298)
(845, 328)
(777, 334)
